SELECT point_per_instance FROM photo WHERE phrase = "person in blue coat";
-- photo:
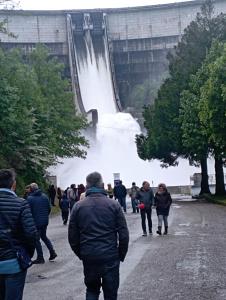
(40, 209)
(17, 229)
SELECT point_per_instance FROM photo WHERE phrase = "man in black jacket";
(17, 229)
(120, 193)
(99, 236)
(40, 209)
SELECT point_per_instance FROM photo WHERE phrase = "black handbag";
(22, 256)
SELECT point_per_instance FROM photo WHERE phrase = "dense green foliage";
(38, 121)
(170, 133)
(203, 112)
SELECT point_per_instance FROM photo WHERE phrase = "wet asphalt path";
(188, 264)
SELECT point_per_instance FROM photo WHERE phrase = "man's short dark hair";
(133, 183)
(7, 178)
(94, 180)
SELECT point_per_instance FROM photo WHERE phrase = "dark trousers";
(134, 206)
(146, 212)
(105, 275)
(52, 199)
(122, 202)
(44, 238)
(65, 214)
(12, 286)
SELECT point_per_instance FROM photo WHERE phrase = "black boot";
(38, 260)
(53, 255)
(166, 230)
(159, 231)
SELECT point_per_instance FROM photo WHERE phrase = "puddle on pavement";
(185, 224)
(181, 233)
(42, 277)
(176, 206)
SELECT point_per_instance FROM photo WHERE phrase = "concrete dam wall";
(138, 38)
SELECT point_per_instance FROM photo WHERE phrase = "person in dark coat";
(120, 193)
(145, 197)
(59, 195)
(133, 193)
(99, 236)
(163, 202)
(17, 224)
(64, 206)
(40, 209)
(52, 194)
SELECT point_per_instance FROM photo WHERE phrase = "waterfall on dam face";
(94, 74)
(114, 149)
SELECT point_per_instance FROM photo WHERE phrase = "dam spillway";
(93, 65)
(113, 150)
(134, 49)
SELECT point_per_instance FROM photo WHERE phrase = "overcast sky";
(76, 4)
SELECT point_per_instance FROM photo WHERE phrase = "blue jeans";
(44, 238)
(102, 274)
(12, 286)
(162, 218)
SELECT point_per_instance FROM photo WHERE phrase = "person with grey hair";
(99, 236)
(40, 209)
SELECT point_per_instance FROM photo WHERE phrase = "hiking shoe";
(53, 255)
(144, 234)
(38, 261)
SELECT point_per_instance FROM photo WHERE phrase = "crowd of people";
(142, 201)
(97, 231)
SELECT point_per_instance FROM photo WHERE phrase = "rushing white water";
(114, 150)
(95, 75)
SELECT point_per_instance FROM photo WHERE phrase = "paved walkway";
(188, 264)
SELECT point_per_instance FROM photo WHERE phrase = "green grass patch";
(55, 210)
(216, 199)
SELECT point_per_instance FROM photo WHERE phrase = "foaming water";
(114, 149)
